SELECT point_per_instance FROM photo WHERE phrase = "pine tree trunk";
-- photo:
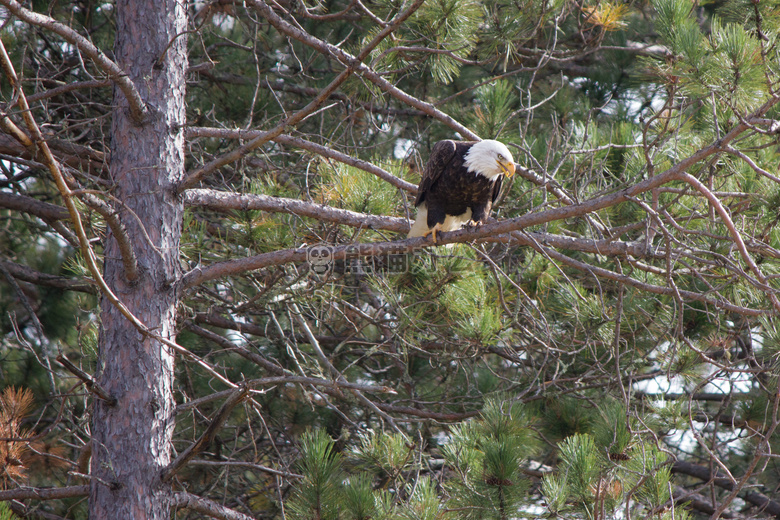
(132, 440)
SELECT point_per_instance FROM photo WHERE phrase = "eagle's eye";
(500, 157)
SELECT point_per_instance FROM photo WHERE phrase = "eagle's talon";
(431, 233)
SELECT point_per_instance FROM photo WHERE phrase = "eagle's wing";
(441, 156)
(497, 187)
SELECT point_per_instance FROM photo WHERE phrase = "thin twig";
(89, 381)
(206, 438)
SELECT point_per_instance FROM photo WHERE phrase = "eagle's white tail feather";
(455, 222)
(420, 226)
(451, 223)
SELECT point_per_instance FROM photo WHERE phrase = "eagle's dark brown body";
(450, 189)
(450, 195)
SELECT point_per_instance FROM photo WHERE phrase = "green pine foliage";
(318, 495)
(357, 190)
(606, 466)
(446, 26)
(5, 512)
(649, 473)
(486, 457)
(385, 455)
(493, 114)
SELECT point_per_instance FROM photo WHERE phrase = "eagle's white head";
(490, 159)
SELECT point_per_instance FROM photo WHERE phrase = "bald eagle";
(461, 181)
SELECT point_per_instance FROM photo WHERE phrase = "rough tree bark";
(132, 440)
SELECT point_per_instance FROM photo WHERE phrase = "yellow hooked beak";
(507, 167)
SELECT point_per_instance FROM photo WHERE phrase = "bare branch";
(54, 169)
(89, 382)
(68, 87)
(752, 164)
(33, 206)
(111, 216)
(734, 235)
(229, 345)
(22, 272)
(83, 85)
(223, 201)
(14, 131)
(212, 318)
(719, 303)
(342, 252)
(332, 387)
(71, 154)
(758, 500)
(200, 275)
(21, 511)
(427, 414)
(246, 465)
(184, 500)
(681, 496)
(27, 493)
